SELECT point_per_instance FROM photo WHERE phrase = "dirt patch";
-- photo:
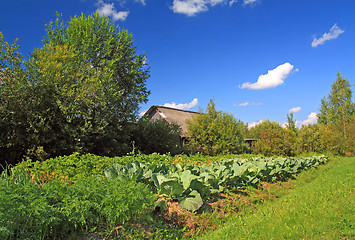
(174, 216)
(225, 204)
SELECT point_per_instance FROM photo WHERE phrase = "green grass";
(321, 206)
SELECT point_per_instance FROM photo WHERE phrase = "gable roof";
(171, 115)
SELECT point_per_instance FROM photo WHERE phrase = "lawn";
(321, 206)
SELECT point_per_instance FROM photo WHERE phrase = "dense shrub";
(215, 132)
(273, 140)
(157, 137)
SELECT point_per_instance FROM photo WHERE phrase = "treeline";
(334, 133)
(216, 132)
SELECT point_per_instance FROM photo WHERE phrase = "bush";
(273, 140)
(157, 137)
(215, 133)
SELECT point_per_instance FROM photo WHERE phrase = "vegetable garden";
(88, 194)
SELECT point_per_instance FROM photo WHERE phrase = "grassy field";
(321, 206)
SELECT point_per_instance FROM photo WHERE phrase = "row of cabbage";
(192, 184)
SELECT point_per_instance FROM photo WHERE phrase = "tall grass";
(322, 206)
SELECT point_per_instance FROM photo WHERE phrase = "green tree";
(255, 131)
(215, 132)
(291, 122)
(79, 92)
(110, 50)
(338, 107)
(309, 138)
(66, 94)
(157, 137)
(273, 140)
(14, 102)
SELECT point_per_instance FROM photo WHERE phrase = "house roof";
(172, 115)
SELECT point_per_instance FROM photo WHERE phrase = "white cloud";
(244, 104)
(109, 10)
(253, 124)
(247, 2)
(294, 110)
(189, 7)
(141, 1)
(231, 2)
(334, 32)
(182, 105)
(272, 79)
(142, 113)
(312, 118)
(193, 7)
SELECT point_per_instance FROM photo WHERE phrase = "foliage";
(192, 184)
(98, 42)
(291, 122)
(337, 118)
(338, 107)
(52, 210)
(14, 102)
(215, 132)
(70, 168)
(85, 201)
(157, 137)
(78, 93)
(309, 138)
(273, 140)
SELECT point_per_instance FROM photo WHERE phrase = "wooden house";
(171, 115)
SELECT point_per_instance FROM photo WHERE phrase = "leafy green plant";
(166, 137)
(52, 210)
(215, 132)
(191, 184)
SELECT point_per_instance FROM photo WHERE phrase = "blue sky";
(258, 59)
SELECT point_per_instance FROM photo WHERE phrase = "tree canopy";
(215, 132)
(79, 92)
(337, 108)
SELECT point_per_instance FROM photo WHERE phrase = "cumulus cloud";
(182, 105)
(272, 79)
(109, 10)
(294, 110)
(253, 124)
(193, 7)
(334, 32)
(312, 118)
(189, 7)
(247, 2)
(244, 104)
